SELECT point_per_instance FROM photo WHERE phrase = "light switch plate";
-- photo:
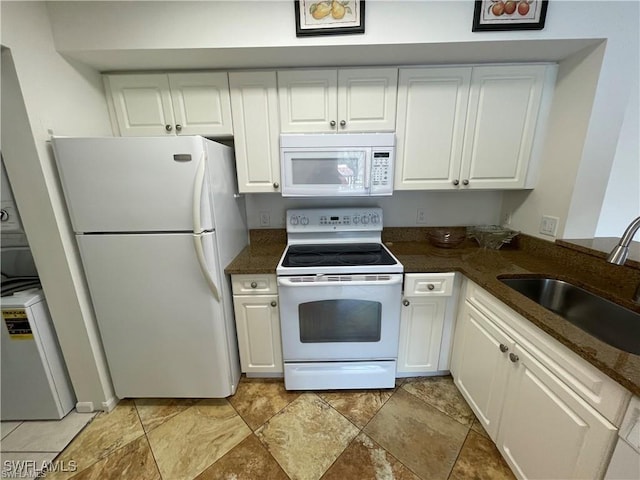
(549, 225)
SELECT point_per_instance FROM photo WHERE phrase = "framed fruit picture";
(496, 15)
(329, 17)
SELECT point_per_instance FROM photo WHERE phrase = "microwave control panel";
(381, 171)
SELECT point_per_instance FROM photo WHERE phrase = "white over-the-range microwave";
(337, 164)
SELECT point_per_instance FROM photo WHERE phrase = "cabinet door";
(308, 100)
(432, 106)
(201, 103)
(254, 99)
(258, 328)
(501, 124)
(421, 324)
(547, 431)
(142, 104)
(367, 99)
(479, 366)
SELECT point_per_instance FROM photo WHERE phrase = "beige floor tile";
(191, 441)
(46, 436)
(441, 393)
(155, 411)
(477, 427)
(480, 459)
(258, 399)
(359, 406)
(364, 459)
(7, 427)
(247, 461)
(133, 461)
(306, 437)
(104, 435)
(420, 436)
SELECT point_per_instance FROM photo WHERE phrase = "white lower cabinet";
(258, 324)
(550, 413)
(426, 324)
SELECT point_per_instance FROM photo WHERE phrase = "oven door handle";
(288, 282)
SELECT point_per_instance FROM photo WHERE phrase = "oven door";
(340, 317)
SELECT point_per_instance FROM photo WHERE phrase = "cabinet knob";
(254, 285)
(504, 348)
(332, 123)
(276, 185)
(343, 123)
(456, 181)
(513, 357)
(430, 286)
(274, 303)
(465, 182)
(168, 128)
(406, 303)
(178, 127)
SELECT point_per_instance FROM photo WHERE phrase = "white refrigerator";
(156, 222)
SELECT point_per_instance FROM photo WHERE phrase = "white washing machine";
(35, 382)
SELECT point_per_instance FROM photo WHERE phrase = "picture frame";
(329, 17)
(503, 15)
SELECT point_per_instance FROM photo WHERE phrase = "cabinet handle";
(276, 185)
(343, 123)
(456, 181)
(168, 128)
(513, 357)
(274, 304)
(465, 182)
(4, 215)
(178, 128)
(332, 123)
(504, 348)
(430, 286)
(254, 285)
(406, 303)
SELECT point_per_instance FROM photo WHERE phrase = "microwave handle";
(368, 165)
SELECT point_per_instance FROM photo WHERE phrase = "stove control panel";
(334, 219)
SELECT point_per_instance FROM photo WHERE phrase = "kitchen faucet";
(619, 254)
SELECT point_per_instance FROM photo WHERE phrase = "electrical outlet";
(265, 219)
(421, 217)
(549, 225)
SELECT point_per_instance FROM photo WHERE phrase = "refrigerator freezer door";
(121, 184)
(163, 333)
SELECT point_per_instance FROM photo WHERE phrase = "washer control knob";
(304, 221)
(365, 220)
(254, 285)
(294, 221)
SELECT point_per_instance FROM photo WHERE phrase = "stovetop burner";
(350, 254)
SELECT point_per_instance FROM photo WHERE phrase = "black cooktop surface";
(337, 255)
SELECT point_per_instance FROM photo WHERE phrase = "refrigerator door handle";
(197, 241)
(197, 227)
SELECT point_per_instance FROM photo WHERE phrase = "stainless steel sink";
(605, 320)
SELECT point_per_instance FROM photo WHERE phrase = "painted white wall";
(234, 34)
(42, 91)
(622, 199)
(400, 210)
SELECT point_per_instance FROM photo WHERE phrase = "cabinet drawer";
(254, 284)
(428, 284)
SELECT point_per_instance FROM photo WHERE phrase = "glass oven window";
(332, 168)
(340, 321)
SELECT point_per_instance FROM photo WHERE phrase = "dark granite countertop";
(526, 256)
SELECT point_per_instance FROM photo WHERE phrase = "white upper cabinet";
(432, 106)
(345, 100)
(171, 104)
(470, 127)
(254, 101)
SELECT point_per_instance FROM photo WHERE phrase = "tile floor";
(422, 429)
(31, 444)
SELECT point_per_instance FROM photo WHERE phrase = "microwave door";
(325, 172)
